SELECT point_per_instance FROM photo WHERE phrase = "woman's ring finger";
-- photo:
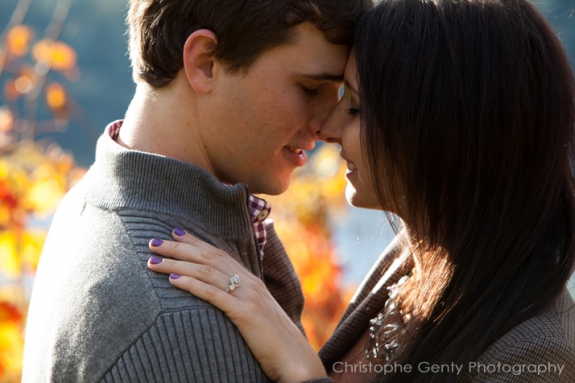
(234, 283)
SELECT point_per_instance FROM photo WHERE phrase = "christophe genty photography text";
(451, 368)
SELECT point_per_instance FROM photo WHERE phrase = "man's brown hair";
(244, 28)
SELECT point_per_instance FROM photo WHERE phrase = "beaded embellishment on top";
(384, 328)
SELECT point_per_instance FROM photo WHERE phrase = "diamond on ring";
(234, 283)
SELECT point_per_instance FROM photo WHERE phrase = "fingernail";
(155, 260)
(157, 242)
(174, 276)
(179, 232)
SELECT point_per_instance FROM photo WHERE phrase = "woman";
(459, 118)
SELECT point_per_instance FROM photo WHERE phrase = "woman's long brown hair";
(468, 119)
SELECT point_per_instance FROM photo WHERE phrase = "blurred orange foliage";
(32, 182)
(11, 327)
(33, 177)
(301, 218)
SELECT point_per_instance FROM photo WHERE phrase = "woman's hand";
(205, 271)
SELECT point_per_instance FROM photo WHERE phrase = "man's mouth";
(351, 166)
(295, 150)
(297, 155)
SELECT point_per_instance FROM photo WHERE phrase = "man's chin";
(271, 189)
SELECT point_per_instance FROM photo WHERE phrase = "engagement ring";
(234, 283)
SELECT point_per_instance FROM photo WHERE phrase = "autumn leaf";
(18, 40)
(11, 91)
(11, 348)
(57, 55)
(7, 198)
(9, 258)
(56, 97)
(6, 120)
(32, 243)
(9, 313)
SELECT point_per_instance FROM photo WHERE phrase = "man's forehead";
(308, 56)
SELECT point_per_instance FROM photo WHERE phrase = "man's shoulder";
(100, 253)
(94, 294)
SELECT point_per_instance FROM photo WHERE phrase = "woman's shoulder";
(555, 323)
(540, 349)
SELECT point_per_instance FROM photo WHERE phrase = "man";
(229, 94)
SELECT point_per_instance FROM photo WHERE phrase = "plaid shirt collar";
(259, 208)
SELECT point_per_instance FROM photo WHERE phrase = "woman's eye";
(353, 111)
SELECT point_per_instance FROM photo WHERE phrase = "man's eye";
(308, 91)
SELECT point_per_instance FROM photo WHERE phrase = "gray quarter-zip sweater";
(98, 314)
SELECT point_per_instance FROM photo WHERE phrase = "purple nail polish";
(157, 242)
(155, 260)
(179, 232)
(174, 276)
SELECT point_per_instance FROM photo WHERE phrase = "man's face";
(257, 124)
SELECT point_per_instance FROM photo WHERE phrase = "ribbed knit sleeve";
(199, 345)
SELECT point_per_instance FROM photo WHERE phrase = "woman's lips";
(351, 171)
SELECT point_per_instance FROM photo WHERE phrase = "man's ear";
(199, 60)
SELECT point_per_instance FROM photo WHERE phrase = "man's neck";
(162, 121)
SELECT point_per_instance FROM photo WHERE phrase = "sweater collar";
(128, 179)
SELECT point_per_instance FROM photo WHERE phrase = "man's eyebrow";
(348, 85)
(321, 76)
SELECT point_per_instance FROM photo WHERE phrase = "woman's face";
(342, 127)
